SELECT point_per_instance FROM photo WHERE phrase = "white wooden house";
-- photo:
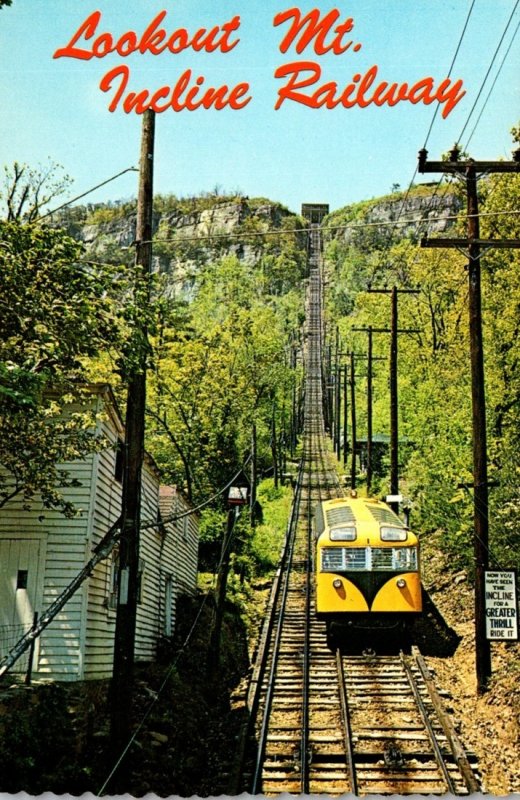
(41, 551)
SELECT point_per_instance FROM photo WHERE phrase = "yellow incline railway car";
(366, 564)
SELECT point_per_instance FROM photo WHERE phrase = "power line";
(470, 114)
(488, 71)
(449, 74)
(190, 633)
(410, 184)
(84, 194)
(175, 517)
(493, 85)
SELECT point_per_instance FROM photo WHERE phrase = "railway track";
(322, 721)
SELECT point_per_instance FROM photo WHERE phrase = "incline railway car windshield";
(368, 559)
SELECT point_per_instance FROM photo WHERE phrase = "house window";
(21, 579)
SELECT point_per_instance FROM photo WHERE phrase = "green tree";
(56, 313)
(28, 190)
(217, 373)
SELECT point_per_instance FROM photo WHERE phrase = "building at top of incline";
(315, 212)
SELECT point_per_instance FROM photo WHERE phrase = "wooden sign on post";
(501, 605)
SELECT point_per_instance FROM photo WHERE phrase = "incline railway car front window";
(405, 558)
(355, 559)
(343, 559)
(394, 559)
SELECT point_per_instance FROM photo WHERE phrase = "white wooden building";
(41, 551)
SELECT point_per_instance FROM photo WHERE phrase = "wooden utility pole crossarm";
(454, 166)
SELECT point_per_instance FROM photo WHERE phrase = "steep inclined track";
(326, 722)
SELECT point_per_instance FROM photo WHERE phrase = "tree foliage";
(56, 312)
(219, 372)
(28, 190)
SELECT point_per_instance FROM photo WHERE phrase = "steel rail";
(349, 744)
(428, 725)
(304, 742)
(255, 684)
(271, 682)
(317, 478)
(457, 750)
(309, 737)
(310, 432)
(257, 774)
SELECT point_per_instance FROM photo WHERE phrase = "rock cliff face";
(215, 221)
(421, 213)
(186, 235)
(435, 211)
(225, 217)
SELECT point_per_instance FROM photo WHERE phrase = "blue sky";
(54, 108)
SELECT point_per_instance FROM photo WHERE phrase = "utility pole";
(327, 389)
(394, 399)
(468, 170)
(369, 412)
(128, 568)
(353, 419)
(294, 412)
(370, 373)
(337, 434)
(254, 477)
(274, 445)
(345, 416)
(394, 418)
(337, 412)
(225, 553)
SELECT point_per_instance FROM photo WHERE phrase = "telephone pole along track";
(323, 722)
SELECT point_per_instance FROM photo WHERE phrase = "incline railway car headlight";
(401, 583)
(343, 534)
(393, 534)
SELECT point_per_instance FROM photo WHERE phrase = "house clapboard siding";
(181, 543)
(52, 550)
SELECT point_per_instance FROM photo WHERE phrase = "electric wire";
(434, 116)
(488, 71)
(154, 700)
(492, 85)
(485, 102)
(174, 517)
(84, 194)
(487, 546)
(346, 226)
(425, 213)
(461, 37)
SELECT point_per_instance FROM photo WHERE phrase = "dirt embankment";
(489, 724)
